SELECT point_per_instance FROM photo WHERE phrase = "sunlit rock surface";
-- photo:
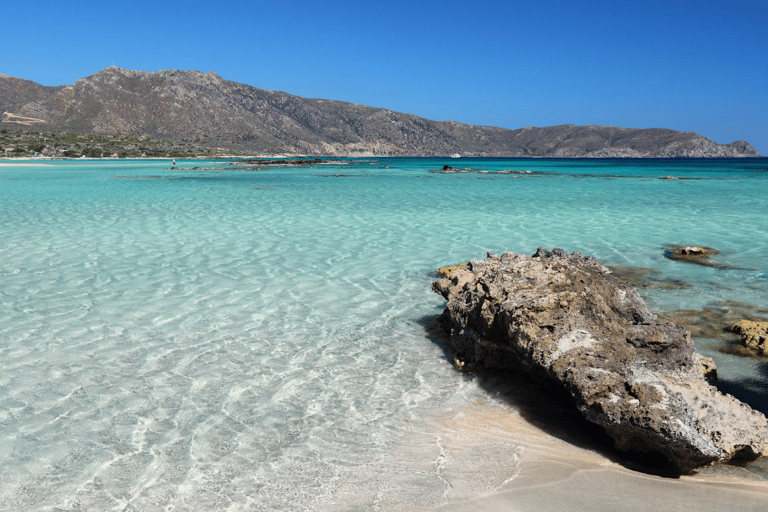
(754, 335)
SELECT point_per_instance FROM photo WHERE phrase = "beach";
(208, 336)
(22, 163)
(521, 451)
(556, 475)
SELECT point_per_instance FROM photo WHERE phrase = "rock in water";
(754, 335)
(564, 318)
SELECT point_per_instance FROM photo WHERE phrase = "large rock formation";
(563, 318)
(205, 108)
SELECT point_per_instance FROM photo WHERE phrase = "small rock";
(447, 271)
(754, 335)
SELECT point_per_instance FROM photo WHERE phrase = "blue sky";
(687, 65)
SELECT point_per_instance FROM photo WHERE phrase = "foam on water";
(230, 339)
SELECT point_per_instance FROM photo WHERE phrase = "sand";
(23, 164)
(557, 475)
(488, 457)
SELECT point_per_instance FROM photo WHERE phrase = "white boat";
(455, 155)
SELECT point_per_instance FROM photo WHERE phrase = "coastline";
(7, 161)
(12, 161)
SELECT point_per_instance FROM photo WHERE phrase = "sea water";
(208, 336)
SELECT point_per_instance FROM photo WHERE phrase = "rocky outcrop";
(754, 335)
(564, 319)
(204, 107)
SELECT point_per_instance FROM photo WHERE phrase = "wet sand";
(557, 475)
(488, 457)
(525, 449)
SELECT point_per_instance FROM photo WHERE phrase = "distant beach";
(23, 163)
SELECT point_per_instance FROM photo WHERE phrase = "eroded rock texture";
(564, 318)
(754, 335)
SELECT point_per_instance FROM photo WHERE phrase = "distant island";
(189, 112)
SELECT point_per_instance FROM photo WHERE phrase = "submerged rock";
(690, 254)
(564, 319)
(718, 322)
(642, 278)
(699, 255)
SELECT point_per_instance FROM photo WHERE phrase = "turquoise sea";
(214, 337)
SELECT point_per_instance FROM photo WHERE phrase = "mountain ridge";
(206, 108)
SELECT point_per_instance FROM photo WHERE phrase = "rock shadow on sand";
(546, 407)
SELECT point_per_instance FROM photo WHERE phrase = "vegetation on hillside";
(25, 143)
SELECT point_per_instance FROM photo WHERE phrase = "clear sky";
(687, 65)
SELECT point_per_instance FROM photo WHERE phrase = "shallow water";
(221, 338)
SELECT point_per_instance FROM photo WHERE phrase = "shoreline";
(24, 164)
(5, 162)
(366, 157)
(555, 474)
(489, 457)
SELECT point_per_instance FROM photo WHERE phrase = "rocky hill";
(206, 109)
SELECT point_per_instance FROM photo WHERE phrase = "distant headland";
(204, 110)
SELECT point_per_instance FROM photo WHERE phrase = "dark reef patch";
(342, 176)
(644, 278)
(447, 169)
(716, 322)
(279, 162)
